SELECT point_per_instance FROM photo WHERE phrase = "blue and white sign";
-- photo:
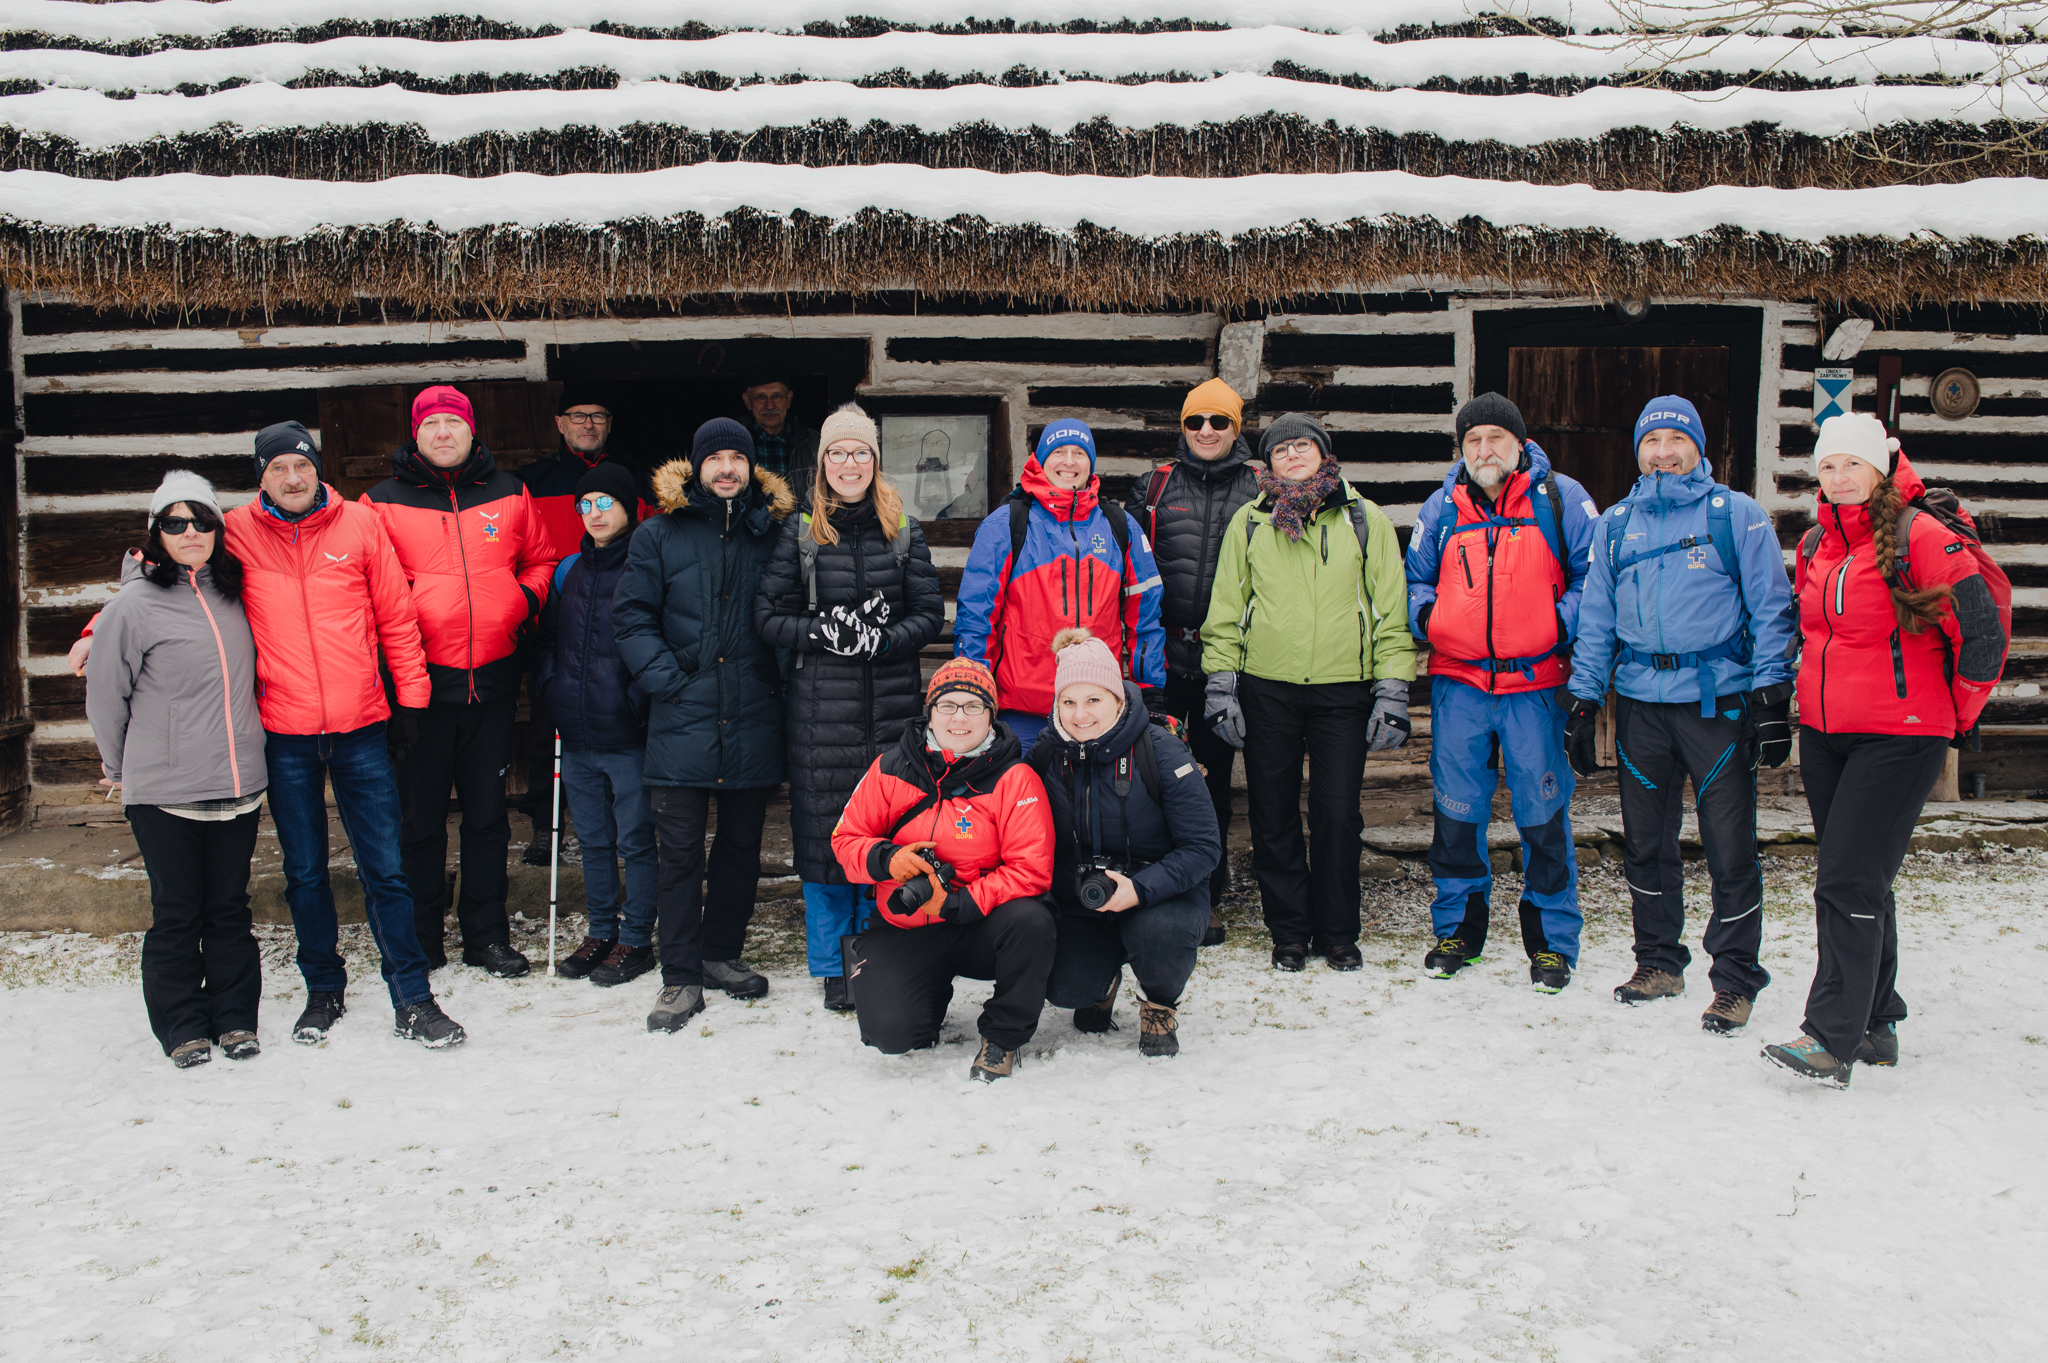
(1831, 391)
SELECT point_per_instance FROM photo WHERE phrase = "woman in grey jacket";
(171, 693)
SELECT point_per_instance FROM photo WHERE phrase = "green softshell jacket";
(1301, 610)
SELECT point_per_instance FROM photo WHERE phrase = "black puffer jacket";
(685, 612)
(843, 711)
(1186, 529)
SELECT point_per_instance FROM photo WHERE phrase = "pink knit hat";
(1081, 657)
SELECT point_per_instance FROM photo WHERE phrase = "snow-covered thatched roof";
(544, 154)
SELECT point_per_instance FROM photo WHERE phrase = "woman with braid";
(1903, 642)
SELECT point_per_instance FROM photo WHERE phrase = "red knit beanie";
(441, 398)
(964, 675)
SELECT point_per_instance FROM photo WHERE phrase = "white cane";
(555, 851)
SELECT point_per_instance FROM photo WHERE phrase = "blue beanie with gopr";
(1672, 414)
(1066, 433)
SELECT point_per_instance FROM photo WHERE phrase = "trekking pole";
(555, 851)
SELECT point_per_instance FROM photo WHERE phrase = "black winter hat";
(286, 437)
(721, 433)
(1490, 409)
(1294, 426)
(613, 480)
(761, 378)
(583, 395)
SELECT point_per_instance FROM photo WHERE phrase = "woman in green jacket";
(1308, 651)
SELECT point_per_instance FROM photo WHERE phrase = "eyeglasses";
(588, 418)
(857, 456)
(178, 525)
(1214, 423)
(597, 503)
(973, 709)
(1298, 447)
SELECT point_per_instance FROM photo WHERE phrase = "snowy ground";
(1373, 1166)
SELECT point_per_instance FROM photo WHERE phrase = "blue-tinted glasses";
(598, 503)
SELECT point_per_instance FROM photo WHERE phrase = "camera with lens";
(1093, 886)
(916, 893)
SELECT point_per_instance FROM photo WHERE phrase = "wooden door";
(1581, 402)
(360, 427)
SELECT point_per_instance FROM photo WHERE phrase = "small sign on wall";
(1831, 389)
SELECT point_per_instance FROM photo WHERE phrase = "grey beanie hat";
(183, 485)
(1294, 426)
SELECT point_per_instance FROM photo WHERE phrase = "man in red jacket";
(478, 560)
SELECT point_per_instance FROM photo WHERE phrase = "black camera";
(917, 892)
(1093, 885)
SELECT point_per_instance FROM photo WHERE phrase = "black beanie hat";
(721, 433)
(583, 395)
(1294, 426)
(1490, 409)
(614, 480)
(286, 437)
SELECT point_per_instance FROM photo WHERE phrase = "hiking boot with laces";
(736, 978)
(1726, 1013)
(1158, 1029)
(425, 1023)
(1213, 935)
(838, 998)
(623, 964)
(186, 1054)
(1447, 958)
(497, 958)
(1100, 1015)
(992, 1062)
(1343, 956)
(1290, 956)
(323, 1009)
(240, 1045)
(1880, 1046)
(588, 955)
(1809, 1059)
(1649, 983)
(674, 1006)
(1548, 972)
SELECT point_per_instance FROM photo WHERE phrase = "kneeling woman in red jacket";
(1903, 643)
(952, 830)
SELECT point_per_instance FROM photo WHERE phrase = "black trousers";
(201, 971)
(1184, 700)
(1865, 791)
(692, 926)
(1309, 890)
(537, 804)
(1661, 745)
(468, 747)
(903, 977)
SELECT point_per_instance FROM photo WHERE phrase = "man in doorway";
(783, 446)
(1689, 612)
(1496, 567)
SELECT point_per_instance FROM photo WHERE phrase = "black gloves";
(1580, 717)
(403, 731)
(1770, 714)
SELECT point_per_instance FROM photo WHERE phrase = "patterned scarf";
(1294, 505)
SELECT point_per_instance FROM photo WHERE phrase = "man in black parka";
(1184, 507)
(685, 615)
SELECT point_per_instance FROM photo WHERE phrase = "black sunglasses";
(1214, 423)
(177, 525)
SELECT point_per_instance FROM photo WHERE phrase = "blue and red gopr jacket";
(1503, 601)
(1069, 573)
(551, 482)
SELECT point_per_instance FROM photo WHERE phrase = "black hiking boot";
(425, 1023)
(496, 958)
(736, 978)
(1344, 956)
(1548, 973)
(838, 998)
(1100, 1015)
(623, 964)
(323, 1010)
(1290, 956)
(588, 955)
(1448, 957)
(1880, 1046)
(1213, 935)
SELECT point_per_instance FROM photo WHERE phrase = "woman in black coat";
(1135, 839)
(852, 596)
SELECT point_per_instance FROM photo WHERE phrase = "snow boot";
(1099, 1016)
(992, 1062)
(674, 1006)
(588, 955)
(323, 1010)
(1213, 935)
(186, 1054)
(1447, 958)
(1158, 1029)
(1289, 956)
(425, 1023)
(240, 1045)
(623, 964)
(1548, 973)
(736, 978)
(1809, 1059)
(838, 998)
(1727, 1013)
(1649, 983)
(537, 853)
(1343, 956)
(496, 958)
(1880, 1046)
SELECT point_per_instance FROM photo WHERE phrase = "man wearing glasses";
(1184, 505)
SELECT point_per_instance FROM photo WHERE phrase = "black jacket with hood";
(1186, 528)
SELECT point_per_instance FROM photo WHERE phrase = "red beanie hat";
(441, 398)
(964, 675)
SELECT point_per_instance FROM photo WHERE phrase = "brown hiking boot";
(1647, 984)
(992, 1062)
(1158, 1029)
(1728, 1012)
(1100, 1016)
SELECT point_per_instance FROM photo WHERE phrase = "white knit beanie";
(183, 485)
(1859, 434)
(849, 423)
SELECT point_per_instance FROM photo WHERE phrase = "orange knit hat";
(1215, 396)
(962, 674)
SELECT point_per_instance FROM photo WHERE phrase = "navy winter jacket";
(1174, 839)
(597, 705)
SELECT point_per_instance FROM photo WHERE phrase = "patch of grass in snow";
(903, 1273)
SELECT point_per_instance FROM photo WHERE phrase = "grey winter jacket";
(170, 690)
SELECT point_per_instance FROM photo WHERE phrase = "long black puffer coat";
(843, 711)
(684, 610)
(1186, 529)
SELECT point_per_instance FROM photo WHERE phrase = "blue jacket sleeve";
(1593, 650)
(636, 613)
(973, 616)
(1581, 519)
(1190, 817)
(1766, 594)
(1422, 561)
(1148, 666)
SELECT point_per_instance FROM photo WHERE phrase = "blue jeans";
(366, 790)
(613, 820)
(830, 912)
(1158, 941)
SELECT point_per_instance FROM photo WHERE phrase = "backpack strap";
(1120, 531)
(562, 570)
(899, 544)
(1148, 765)
(1554, 531)
(1155, 488)
(807, 563)
(1903, 538)
(1809, 544)
(1020, 525)
(1355, 509)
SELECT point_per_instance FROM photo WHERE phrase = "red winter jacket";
(479, 563)
(551, 482)
(991, 823)
(322, 595)
(1861, 673)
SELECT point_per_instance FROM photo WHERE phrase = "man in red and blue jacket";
(1496, 567)
(1071, 568)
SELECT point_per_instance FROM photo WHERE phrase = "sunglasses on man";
(597, 503)
(1196, 423)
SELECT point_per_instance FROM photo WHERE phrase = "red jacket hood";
(1854, 521)
(1060, 503)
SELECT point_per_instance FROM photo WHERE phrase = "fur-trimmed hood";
(672, 488)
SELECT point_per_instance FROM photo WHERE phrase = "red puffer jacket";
(1861, 673)
(479, 562)
(987, 816)
(322, 595)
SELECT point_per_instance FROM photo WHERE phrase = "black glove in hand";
(1580, 718)
(1770, 714)
(403, 731)
(959, 907)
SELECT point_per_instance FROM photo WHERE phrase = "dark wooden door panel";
(1581, 402)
